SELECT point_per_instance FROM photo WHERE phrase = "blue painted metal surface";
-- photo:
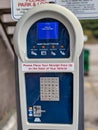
(57, 112)
(48, 38)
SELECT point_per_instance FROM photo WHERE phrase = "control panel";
(49, 89)
(48, 38)
(49, 97)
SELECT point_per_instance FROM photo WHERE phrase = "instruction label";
(47, 67)
(19, 7)
(83, 9)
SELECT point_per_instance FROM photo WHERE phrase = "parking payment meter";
(48, 41)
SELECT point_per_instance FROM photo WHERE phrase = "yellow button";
(53, 46)
(62, 46)
(43, 47)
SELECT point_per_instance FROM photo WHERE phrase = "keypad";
(49, 88)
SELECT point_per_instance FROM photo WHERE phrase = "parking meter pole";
(81, 92)
(18, 109)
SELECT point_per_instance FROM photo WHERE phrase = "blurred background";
(7, 68)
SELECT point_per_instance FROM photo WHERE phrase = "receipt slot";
(48, 42)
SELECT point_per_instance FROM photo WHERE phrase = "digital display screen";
(47, 30)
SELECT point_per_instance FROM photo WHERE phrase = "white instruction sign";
(83, 9)
(47, 67)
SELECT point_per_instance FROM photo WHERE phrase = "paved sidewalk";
(91, 90)
(11, 124)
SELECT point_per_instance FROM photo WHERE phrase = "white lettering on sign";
(47, 67)
(83, 9)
